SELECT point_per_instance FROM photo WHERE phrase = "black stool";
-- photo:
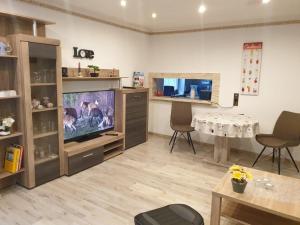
(177, 214)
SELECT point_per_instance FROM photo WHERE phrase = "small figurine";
(6, 125)
(46, 100)
(35, 103)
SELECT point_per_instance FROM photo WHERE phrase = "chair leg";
(174, 141)
(262, 151)
(273, 157)
(191, 141)
(172, 138)
(292, 159)
(279, 160)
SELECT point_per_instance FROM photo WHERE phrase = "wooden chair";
(286, 134)
(180, 122)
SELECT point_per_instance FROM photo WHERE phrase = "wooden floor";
(143, 178)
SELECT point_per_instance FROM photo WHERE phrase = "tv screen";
(88, 113)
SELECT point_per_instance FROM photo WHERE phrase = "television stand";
(88, 138)
(79, 156)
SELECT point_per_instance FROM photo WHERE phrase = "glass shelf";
(44, 110)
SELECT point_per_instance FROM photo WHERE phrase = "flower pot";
(238, 187)
(94, 74)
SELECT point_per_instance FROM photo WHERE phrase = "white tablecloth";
(226, 125)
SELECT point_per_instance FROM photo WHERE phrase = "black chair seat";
(176, 214)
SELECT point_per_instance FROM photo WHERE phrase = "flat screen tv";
(87, 114)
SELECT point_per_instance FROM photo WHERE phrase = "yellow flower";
(237, 175)
(235, 168)
(249, 176)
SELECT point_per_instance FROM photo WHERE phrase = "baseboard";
(211, 145)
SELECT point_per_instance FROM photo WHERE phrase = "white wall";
(221, 51)
(212, 51)
(113, 47)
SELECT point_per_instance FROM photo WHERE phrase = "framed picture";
(251, 68)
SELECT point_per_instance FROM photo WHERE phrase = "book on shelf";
(13, 158)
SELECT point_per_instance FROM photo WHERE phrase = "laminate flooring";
(143, 178)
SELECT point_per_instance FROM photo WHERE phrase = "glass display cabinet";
(42, 87)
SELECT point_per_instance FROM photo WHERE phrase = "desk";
(225, 126)
(258, 206)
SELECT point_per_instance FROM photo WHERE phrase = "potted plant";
(239, 178)
(6, 126)
(95, 69)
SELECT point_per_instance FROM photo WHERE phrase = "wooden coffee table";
(258, 206)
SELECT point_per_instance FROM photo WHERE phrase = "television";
(88, 114)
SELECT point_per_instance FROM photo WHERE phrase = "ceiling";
(181, 15)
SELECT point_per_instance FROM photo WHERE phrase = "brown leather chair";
(180, 122)
(286, 134)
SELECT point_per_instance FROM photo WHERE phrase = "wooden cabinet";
(10, 107)
(132, 115)
(40, 68)
(85, 160)
(81, 156)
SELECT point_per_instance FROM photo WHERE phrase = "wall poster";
(251, 67)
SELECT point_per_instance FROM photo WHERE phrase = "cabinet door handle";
(88, 155)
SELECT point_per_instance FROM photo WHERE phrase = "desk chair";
(180, 122)
(286, 134)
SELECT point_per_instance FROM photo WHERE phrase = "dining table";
(224, 127)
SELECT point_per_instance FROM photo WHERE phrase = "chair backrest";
(181, 113)
(287, 126)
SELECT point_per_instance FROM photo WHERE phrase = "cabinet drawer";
(47, 171)
(136, 113)
(85, 160)
(134, 139)
(136, 124)
(136, 100)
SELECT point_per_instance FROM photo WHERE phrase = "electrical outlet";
(236, 99)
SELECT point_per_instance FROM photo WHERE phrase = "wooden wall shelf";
(12, 97)
(8, 57)
(91, 78)
(19, 24)
(16, 134)
(4, 174)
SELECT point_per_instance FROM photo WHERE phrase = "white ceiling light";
(202, 9)
(265, 1)
(123, 3)
(154, 15)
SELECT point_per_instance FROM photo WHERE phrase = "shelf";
(42, 84)
(16, 134)
(38, 136)
(110, 155)
(8, 57)
(11, 97)
(44, 160)
(44, 110)
(181, 99)
(91, 78)
(112, 146)
(243, 214)
(4, 174)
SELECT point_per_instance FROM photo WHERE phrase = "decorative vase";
(238, 187)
